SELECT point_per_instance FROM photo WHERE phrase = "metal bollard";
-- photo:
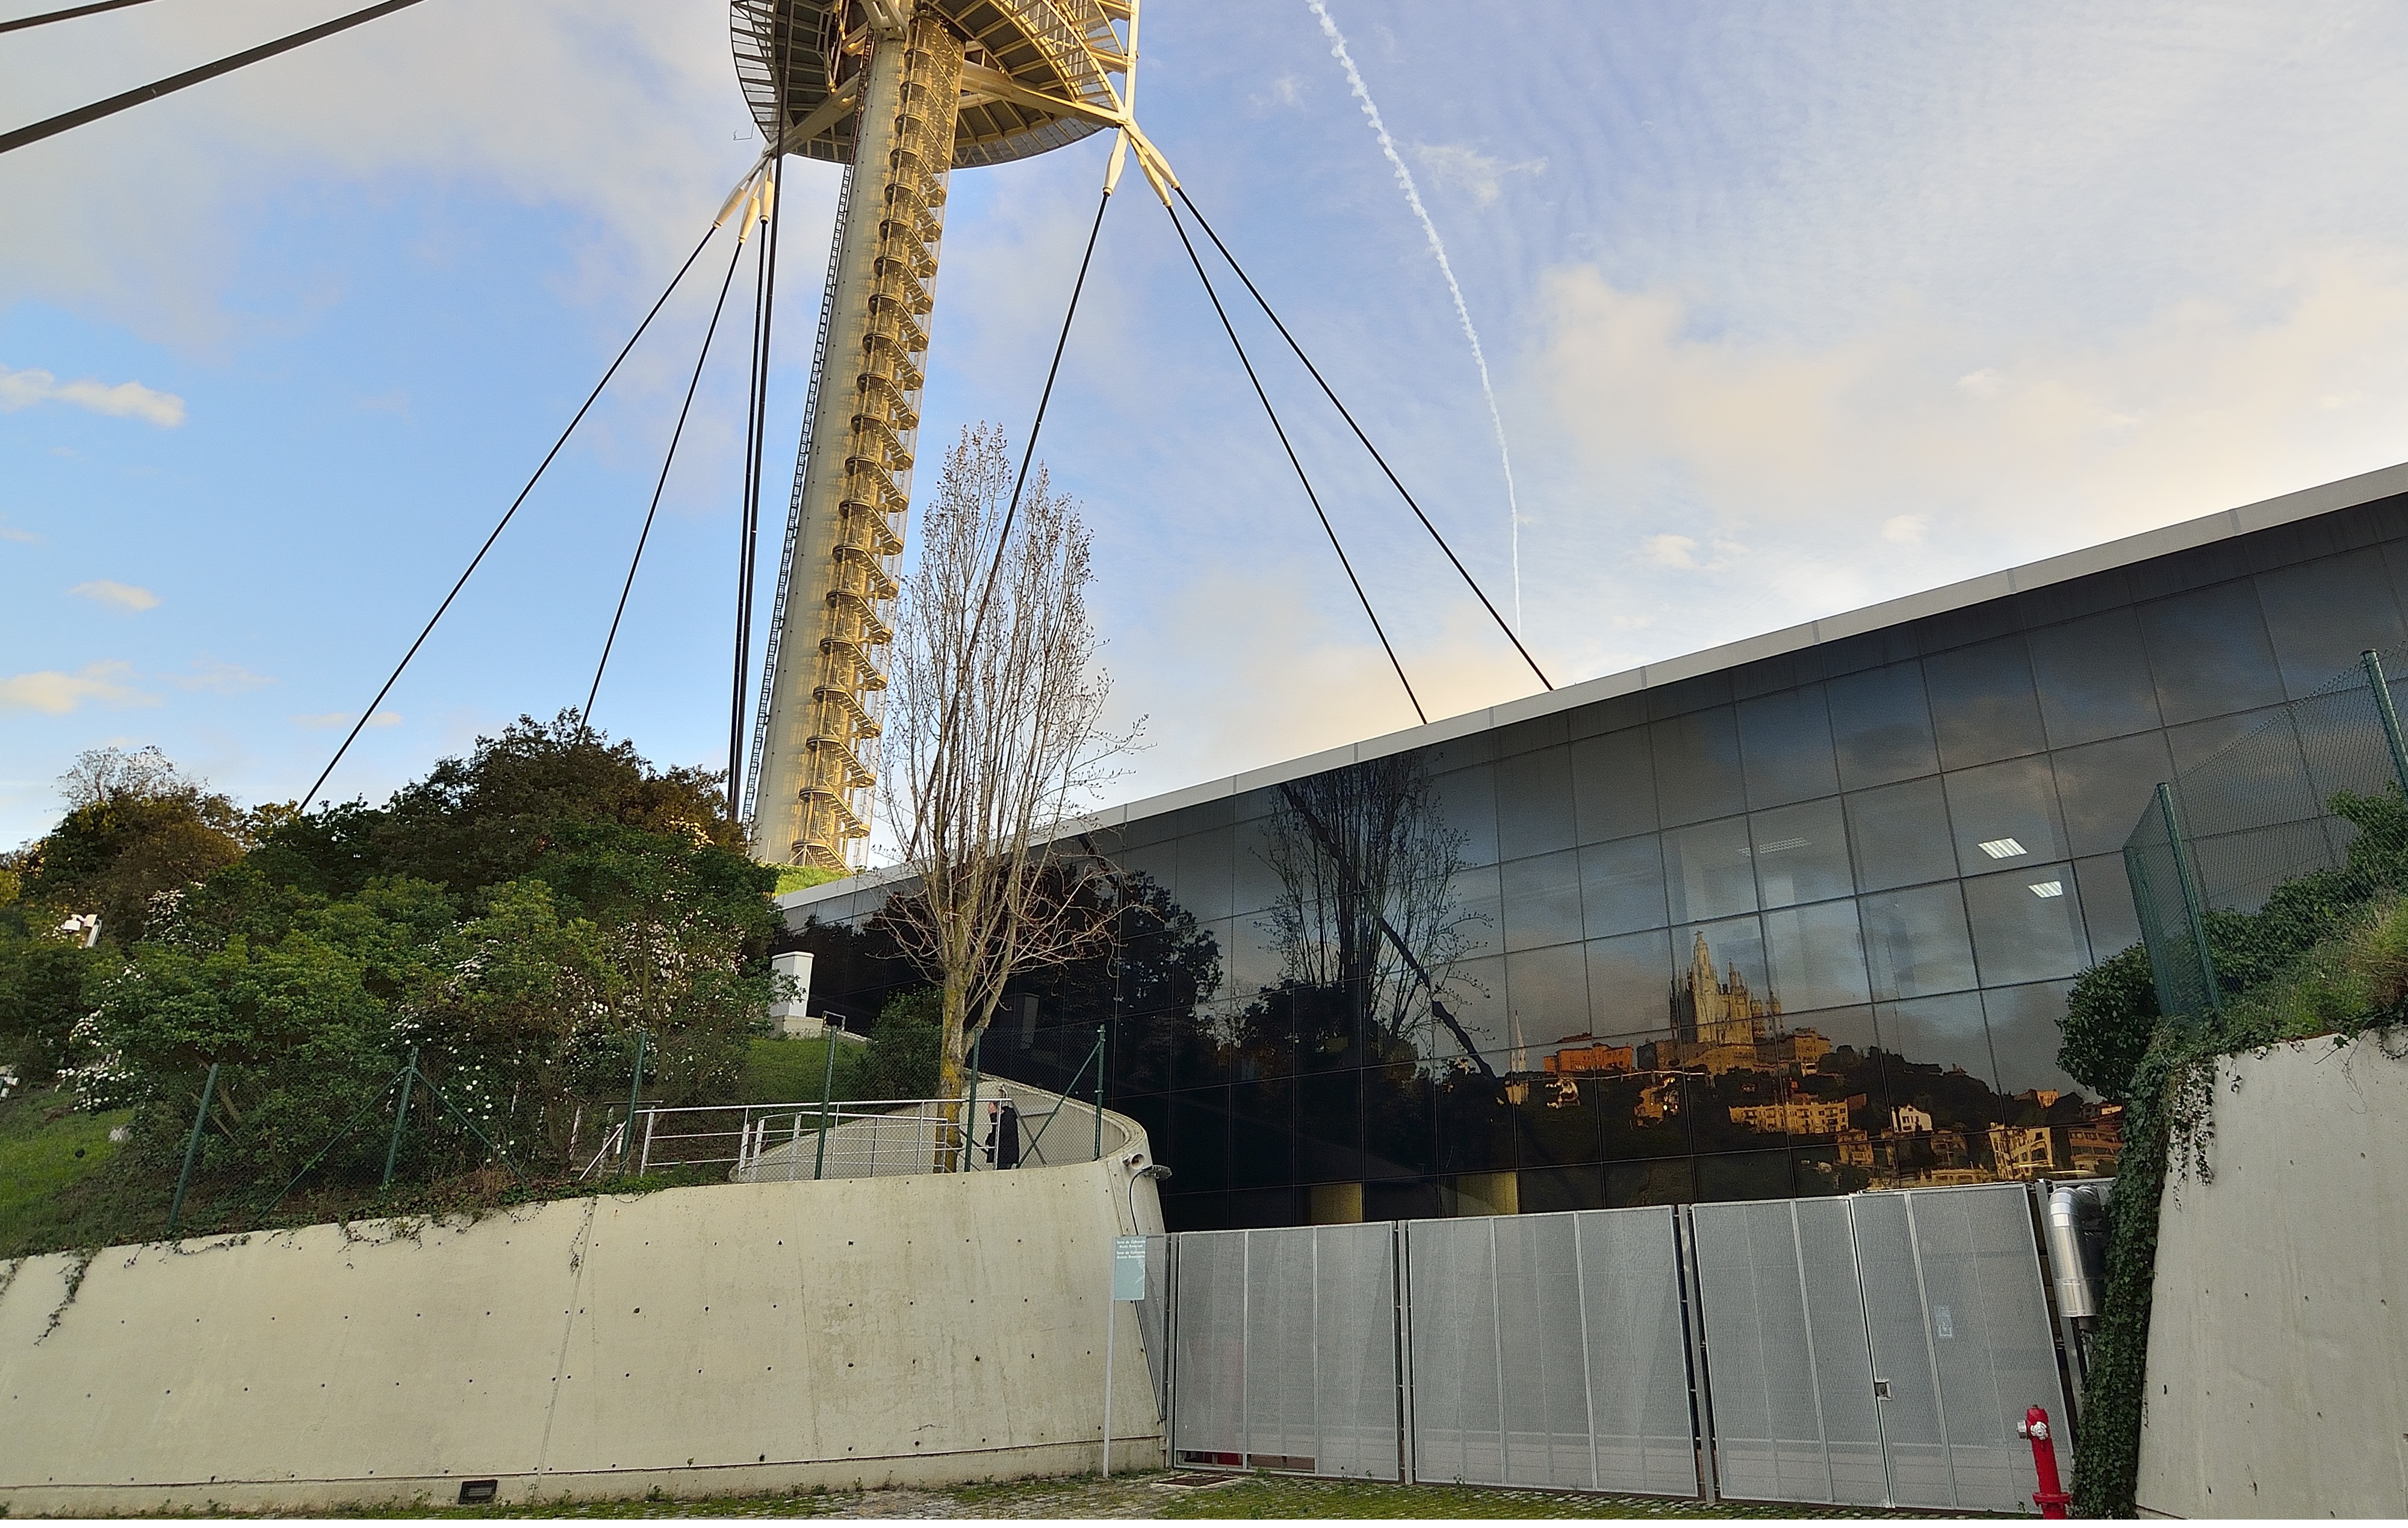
(2051, 1498)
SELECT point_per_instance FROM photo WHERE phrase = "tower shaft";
(817, 774)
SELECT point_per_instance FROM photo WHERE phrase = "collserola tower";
(901, 93)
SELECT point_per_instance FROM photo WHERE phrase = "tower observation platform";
(901, 93)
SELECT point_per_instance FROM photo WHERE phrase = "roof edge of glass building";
(2107, 556)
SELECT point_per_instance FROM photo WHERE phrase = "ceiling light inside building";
(2048, 887)
(2003, 848)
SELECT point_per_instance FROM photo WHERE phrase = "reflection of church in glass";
(1730, 1074)
(1708, 1009)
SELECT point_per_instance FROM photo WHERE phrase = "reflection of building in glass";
(1783, 902)
(1794, 1115)
(1586, 1053)
(1708, 1009)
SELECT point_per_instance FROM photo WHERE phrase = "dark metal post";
(2372, 663)
(635, 1095)
(400, 1118)
(1100, 1032)
(191, 1148)
(2189, 881)
(827, 1090)
(969, 1142)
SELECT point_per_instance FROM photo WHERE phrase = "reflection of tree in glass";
(1367, 860)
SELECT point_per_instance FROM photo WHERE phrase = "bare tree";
(994, 740)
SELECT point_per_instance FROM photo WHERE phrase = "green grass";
(1152, 1493)
(798, 877)
(47, 1149)
(793, 1071)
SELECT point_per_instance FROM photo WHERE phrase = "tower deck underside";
(818, 768)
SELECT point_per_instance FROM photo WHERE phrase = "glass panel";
(1549, 993)
(2094, 678)
(1800, 853)
(1649, 1114)
(1477, 1128)
(1330, 1127)
(1397, 1140)
(1256, 884)
(2321, 615)
(1467, 802)
(1743, 1174)
(1928, 1039)
(1915, 941)
(1198, 1150)
(1899, 836)
(2026, 925)
(2105, 788)
(1614, 785)
(1817, 956)
(1541, 900)
(1670, 1181)
(1622, 885)
(1475, 994)
(1696, 765)
(2107, 905)
(1786, 739)
(1559, 1126)
(1206, 863)
(1708, 872)
(2209, 653)
(2024, 1038)
(1256, 960)
(1262, 1134)
(2005, 815)
(1629, 979)
(1983, 705)
(1882, 726)
(1534, 802)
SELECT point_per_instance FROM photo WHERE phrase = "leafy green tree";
(134, 831)
(906, 1047)
(2111, 1015)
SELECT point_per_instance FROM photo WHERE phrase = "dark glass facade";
(1799, 925)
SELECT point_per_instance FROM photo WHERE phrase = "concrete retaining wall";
(731, 1338)
(2278, 1353)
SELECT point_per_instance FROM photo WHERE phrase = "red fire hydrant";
(2050, 1496)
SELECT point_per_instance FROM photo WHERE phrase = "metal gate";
(1550, 1351)
(1284, 1347)
(1876, 1349)
(1870, 1351)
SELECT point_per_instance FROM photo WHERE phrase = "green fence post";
(191, 1148)
(827, 1090)
(969, 1123)
(635, 1093)
(2192, 908)
(1099, 1094)
(2372, 663)
(400, 1118)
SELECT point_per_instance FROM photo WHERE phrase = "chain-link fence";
(2242, 861)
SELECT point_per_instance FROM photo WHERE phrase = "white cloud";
(211, 676)
(124, 400)
(10, 532)
(125, 597)
(55, 694)
(344, 718)
(1467, 169)
(1283, 91)
(1671, 550)
(2201, 405)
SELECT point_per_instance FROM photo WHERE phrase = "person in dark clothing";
(1003, 1133)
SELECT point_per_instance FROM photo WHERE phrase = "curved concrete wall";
(731, 1338)
(2278, 1346)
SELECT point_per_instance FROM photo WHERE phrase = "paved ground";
(1193, 1493)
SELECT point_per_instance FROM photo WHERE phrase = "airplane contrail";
(1438, 248)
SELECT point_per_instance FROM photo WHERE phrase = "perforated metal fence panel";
(1283, 1349)
(1876, 1349)
(1549, 1351)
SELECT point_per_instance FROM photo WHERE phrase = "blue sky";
(1789, 308)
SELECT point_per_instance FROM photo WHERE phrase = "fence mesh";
(2246, 857)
